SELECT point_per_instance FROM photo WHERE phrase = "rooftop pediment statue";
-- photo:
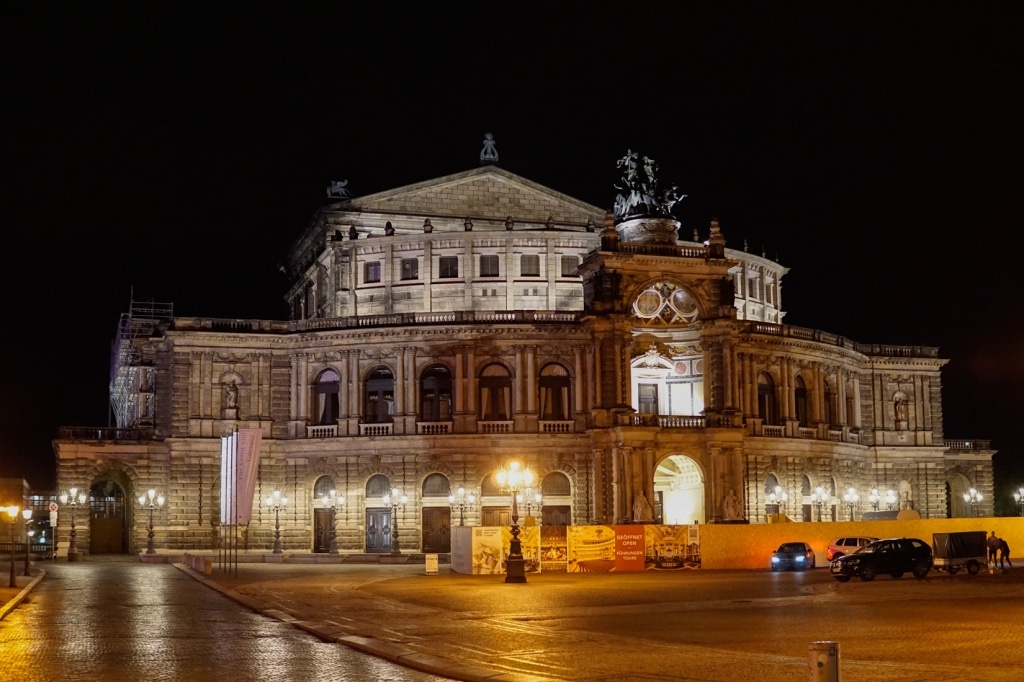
(639, 185)
(336, 190)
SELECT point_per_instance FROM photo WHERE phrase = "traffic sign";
(53, 506)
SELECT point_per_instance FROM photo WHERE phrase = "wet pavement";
(134, 621)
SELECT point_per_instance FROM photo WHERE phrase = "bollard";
(823, 661)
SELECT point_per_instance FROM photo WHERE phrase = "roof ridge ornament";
(489, 154)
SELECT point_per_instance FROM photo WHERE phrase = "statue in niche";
(642, 508)
(231, 395)
(731, 508)
(900, 408)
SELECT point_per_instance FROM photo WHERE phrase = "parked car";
(796, 555)
(842, 546)
(894, 556)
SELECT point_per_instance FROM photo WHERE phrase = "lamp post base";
(515, 569)
(72, 555)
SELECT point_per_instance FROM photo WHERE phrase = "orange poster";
(629, 548)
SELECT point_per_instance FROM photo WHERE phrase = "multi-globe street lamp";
(512, 478)
(973, 498)
(73, 500)
(851, 497)
(818, 499)
(1019, 497)
(12, 516)
(890, 499)
(461, 501)
(151, 500)
(276, 501)
(332, 500)
(27, 515)
(776, 500)
(396, 500)
(530, 500)
(874, 497)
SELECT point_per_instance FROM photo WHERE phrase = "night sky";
(874, 150)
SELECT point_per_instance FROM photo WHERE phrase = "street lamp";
(73, 500)
(973, 497)
(851, 497)
(818, 499)
(512, 478)
(874, 498)
(531, 501)
(332, 500)
(27, 515)
(277, 502)
(890, 499)
(395, 499)
(462, 502)
(1019, 496)
(151, 499)
(776, 499)
(12, 516)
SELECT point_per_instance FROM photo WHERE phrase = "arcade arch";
(679, 491)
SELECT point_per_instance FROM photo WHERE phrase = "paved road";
(133, 621)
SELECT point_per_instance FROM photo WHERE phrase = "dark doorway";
(437, 531)
(321, 531)
(378, 531)
(108, 523)
(557, 515)
(497, 516)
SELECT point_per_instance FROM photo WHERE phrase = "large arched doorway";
(109, 516)
(679, 491)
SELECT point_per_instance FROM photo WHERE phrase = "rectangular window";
(648, 395)
(570, 266)
(448, 267)
(410, 268)
(488, 266)
(371, 272)
(529, 266)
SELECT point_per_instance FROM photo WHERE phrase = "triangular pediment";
(488, 192)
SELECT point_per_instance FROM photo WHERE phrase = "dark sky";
(874, 150)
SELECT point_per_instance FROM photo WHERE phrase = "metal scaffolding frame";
(132, 378)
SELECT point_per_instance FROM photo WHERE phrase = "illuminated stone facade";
(443, 328)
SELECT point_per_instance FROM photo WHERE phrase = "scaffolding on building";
(132, 377)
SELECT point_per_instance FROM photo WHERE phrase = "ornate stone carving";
(639, 186)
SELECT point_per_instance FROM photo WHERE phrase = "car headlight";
(775, 559)
(800, 558)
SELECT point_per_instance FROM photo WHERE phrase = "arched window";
(770, 483)
(323, 486)
(495, 393)
(436, 485)
(766, 406)
(830, 411)
(489, 486)
(325, 398)
(805, 486)
(377, 486)
(555, 483)
(436, 394)
(379, 396)
(800, 398)
(554, 387)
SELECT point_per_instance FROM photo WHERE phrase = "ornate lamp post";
(531, 500)
(462, 501)
(276, 501)
(973, 498)
(152, 499)
(874, 498)
(12, 516)
(512, 478)
(27, 515)
(73, 500)
(890, 499)
(332, 500)
(818, 499)
(776, 499)
(396, 500)
(1019, 497)
(851, 497)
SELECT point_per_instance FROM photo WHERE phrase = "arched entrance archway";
(956, 485)
(679, 491)
(109, 516)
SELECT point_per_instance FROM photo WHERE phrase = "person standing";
(993, 548)
(1004, 553)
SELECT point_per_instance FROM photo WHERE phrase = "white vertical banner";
(228, 478)
(247, 465)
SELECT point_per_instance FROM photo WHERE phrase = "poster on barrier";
(672, 547)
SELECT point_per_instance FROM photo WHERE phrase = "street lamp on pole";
(818, 498)
(851, 497)
(874, 498)
(73, 500)
(151, 499)
(531, 500)
(276, 501)
(776, 500)
(1019, 497)
(462, 501)
(890, 499)
(27, 515)
(973, 498)
(12, 516)
(396, 500)
(511, 479)
(332, 500)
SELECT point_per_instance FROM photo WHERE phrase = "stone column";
(531, 380)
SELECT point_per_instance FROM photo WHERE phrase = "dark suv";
(895, 556)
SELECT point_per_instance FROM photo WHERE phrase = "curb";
(10, 606)
(396, 653)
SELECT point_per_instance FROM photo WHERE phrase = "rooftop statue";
(336, 190)
(639, 185)
(489, 154)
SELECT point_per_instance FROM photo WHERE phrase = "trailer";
(953, 551)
